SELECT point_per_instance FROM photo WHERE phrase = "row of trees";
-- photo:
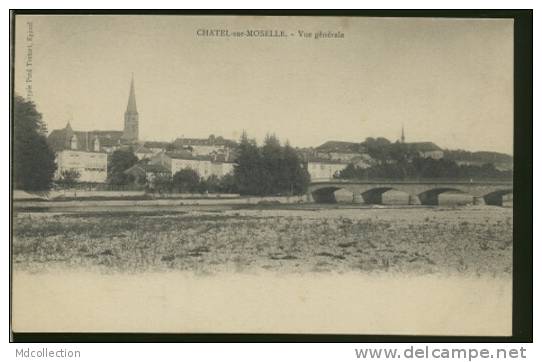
(384, 151)
(117, 163)
(33, 160)
(271, 169)
(428, 168)
(479, 156)
(189, 181)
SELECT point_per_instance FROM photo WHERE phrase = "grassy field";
(469, 240)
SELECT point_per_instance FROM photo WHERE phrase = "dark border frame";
(522, 323)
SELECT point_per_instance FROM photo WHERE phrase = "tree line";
(33, 160)
(188, 180)
(425, 168)
(270, 169)
(479, 156)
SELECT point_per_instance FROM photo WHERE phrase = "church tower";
(403, 134)
(131, 117)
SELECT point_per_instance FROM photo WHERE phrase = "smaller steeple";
(403, 133)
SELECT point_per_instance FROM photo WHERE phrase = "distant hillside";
(500, 160)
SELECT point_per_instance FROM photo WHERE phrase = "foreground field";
(468, 240)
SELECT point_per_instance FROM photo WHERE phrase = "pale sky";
(449, 81)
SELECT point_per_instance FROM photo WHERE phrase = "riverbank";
(474, 240)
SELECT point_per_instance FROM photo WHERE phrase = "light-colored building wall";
(221, 168)
(321, 170)
(338, 156)
(92, 166)
(156, 150)
(227, 168)
(436, 154)
(205, 168)
(143, 155)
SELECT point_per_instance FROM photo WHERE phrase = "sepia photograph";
(336, 175)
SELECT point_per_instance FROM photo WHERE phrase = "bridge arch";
(326, 194)
(431, 196)
(496, 197)
(374, 195)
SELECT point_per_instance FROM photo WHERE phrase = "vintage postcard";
(262, 174)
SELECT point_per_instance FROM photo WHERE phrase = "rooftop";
(185, 155)
(147, 167)
(340, 146)
(156, 144)
(210, 141)
(316, 159)
(423, 146)
(142, 149)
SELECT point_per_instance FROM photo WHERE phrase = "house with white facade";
(205, 166)
(81, 152)
(324, 169)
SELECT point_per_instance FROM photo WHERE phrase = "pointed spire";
(403, 133)
(132, 108)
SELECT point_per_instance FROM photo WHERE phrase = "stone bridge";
(420, 192)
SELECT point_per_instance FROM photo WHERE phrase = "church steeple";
(403, 134)
(132, 107)
(131, 116)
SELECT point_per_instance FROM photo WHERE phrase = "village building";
(157, 146)
(205, 166)
(426, 150)
(91, 166)
(422, 149)
(205, 146)
(81, 152)
(142, 152)
(146, 174)
(109, 140)
(339, 151)
(324, 169)
(327, 160)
